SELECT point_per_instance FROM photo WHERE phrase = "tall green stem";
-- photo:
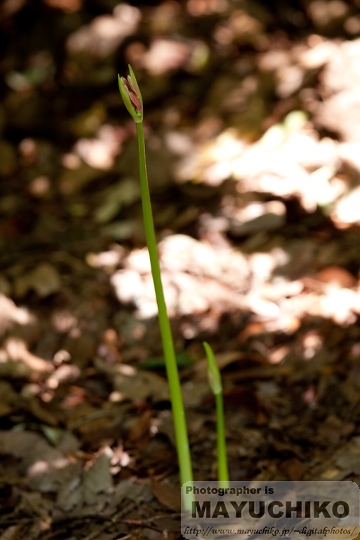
(181, 435)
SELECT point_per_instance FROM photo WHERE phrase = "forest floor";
(252, 120)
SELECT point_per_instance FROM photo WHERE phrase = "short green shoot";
(215, 384)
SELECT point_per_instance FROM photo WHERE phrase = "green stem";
(181, 435)
(215, 383)
(223, 471)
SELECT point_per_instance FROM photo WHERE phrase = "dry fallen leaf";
(167, 495)
(10, 314)
(45, 467)
(134, 384)
(44, 280)
(17, 352)
(335, 275)
(97, 479)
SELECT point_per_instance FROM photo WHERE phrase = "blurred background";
(252, 116)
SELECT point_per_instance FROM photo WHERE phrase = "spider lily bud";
(213, 371)
(130, 92)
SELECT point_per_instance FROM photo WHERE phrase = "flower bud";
(130, 92)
